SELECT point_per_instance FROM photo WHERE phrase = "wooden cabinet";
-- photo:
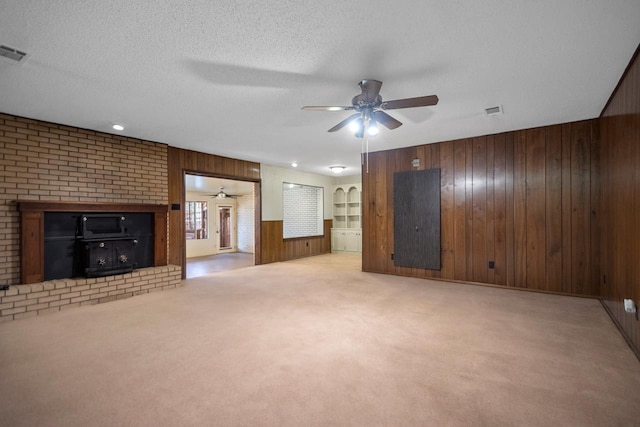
(346, 234)
(346, 240)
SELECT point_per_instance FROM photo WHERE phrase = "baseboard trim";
(622, 331)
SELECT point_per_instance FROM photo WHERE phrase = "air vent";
(10, 54)
(493, 110)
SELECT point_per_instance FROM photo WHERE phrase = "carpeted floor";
(316, 342)
(200, 266)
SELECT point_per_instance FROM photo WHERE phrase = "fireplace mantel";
(32, 230)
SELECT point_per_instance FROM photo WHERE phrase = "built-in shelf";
(346, 235)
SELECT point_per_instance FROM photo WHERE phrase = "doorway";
(227, 223)
(226, 230)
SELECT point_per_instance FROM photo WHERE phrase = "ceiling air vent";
(493, 110)
(10, 54)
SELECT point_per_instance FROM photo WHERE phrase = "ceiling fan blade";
(386, 120)
(328, 108)
(370, 89)
(421, 101)
(344, 122)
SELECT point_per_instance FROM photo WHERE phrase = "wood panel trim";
(277, 249)
(160, 238)
(57, 206)
(632, 61)
(498, 205)
(181, 162)
(623, 331)
(32, 213)
(32, 246)
(618, 149)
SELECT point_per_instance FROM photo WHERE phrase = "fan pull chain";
(366, 138)
(367, 155)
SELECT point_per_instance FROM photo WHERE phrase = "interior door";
(225, 229)
(416, 219)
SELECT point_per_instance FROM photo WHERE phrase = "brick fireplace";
(34, 236)
(37, 295)
(43, 163)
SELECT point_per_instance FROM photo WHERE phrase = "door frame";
(233, 234)
(257, 213)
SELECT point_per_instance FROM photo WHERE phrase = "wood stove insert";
(52, 228)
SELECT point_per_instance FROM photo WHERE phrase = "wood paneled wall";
(276, 249)
(620, 130)
(525, 200)
(181, 161)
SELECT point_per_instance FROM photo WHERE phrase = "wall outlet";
(630, 306)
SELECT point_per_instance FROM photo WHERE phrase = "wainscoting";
(620, 125)
(275, 248)
(182, 161)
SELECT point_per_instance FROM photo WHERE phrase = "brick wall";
(21, 301)
(46, 161)
(302, 211)
(246, 215)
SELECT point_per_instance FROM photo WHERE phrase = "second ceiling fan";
(222, 195)
(369, 106)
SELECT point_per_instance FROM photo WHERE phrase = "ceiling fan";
(369, 107)
(222, 195)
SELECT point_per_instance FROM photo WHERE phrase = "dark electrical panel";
(416, 219)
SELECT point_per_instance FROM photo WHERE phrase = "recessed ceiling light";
(337, 169)
(294, 165)
(117, 127)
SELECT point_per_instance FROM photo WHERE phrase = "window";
(302, 210)
(195, 216)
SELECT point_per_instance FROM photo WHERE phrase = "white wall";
(272, 179)
(348, 179)
(202, 247)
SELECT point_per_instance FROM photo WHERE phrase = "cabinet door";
(416, 219)
(337, 240)
(351, 241)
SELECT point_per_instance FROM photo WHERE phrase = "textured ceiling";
(229, 78)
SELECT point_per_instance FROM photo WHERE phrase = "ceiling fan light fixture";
(221, 194)
(372, 129)
(356, 125)
(337, 169)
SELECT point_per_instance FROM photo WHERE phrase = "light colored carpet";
(200, 266)
(317, 342)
